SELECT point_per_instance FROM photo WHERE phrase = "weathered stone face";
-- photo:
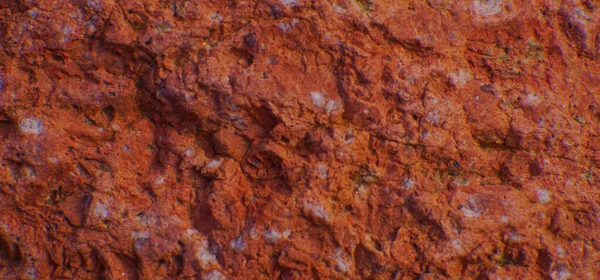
(295, 139)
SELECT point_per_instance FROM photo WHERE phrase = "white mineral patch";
(214, 164)
(284, 27)
(253, 233)
(340, 261)
(322, 171)
(159, 181)
(433, 118)
(560, 251)
(531, 99)
(332, 107)
(101, 211)
(238, 244)
(407, 183)
(318, 99)
(561, 274)
(204, 255)
(289, 3)
(216, 17)
(460, 78)
(140, 234)
(214, 275)
(272, 236)
(338, 9)
(457, 244)
(317, 210)
(189, 152)
(31, 126)
(487, 8)
(543, 196)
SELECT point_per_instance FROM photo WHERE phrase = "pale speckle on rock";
(190, 232)
(31, 273)
(140, 234)
(101, 211)
(462, 182)
(361, 192)
(94, 4)
(469, 213)
(238, 244)
(34, 12)
(322, 172)
(272, 236)
(457, 244)
(317, 210)
(580, 16)
(332, 107)
(560, 251)
(543, 196)
(284, 27)
(140, 238)
(487, 8)
(433, 118)
(89, 28)
(204, 255)
(159, 181)
(339, 258)
(214, 164)
(31, 126)
(338, 9)
(561, 273)
(541, 123)
(67, 29)
(216, 17)
(318, 99)
(289, 3)
(149, 220)
(514, 236)
(253, 233)
(473, 208)
(28, 171)
(407, 183)
(189, 152)
(214, 275)
(77, 16)
(460, 78)
(349, 138)
(531, 100)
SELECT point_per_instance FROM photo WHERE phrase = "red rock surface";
(299, 139)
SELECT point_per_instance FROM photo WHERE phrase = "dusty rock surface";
(300, 139)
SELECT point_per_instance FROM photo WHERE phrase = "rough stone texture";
(299, 139)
